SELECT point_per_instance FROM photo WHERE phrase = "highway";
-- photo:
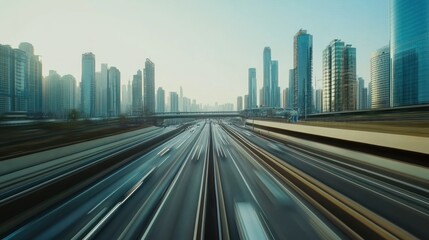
(215, 180)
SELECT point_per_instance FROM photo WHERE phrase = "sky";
(204, 46)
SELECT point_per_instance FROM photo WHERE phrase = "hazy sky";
(204, 46)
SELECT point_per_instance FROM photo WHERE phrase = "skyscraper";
(137, 94)
(149, 87)
(275, 89)
(361, 98)
(267, 78)
(181, 107)
(409, 48)
(103, 89)
(6, 68)
(113, 92)
(88, 85)
(291, 96)
(339, 77)
(160, 100)
(34, 79)
(53, 95)
(239, 103)
(246, 102)
(303, 66)
(380, 78)
(174, 102)
(68, 93)
(252, 89)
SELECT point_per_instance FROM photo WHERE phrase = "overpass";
(217, 114)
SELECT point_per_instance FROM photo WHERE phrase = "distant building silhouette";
(114, 92)
(88, 85)
(160, 100)
(149, 87)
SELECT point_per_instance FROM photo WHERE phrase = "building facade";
(34, 79)
(252, 102)
(380, 78)
(113, 92)
(267, 77)
(409, 52)
(174, 102)
(160, 100)
(149, 87)
(275, 89)
(239, 103)
(339, 77)
(88, 85)
(137, 93)
(303, 68)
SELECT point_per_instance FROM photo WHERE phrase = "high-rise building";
(239, 103)
(275, 89)
(339, 77)
(98, 94)
(19, 84)
(88, 85)
(181, 106)
(103, 89)
(174, 102)
(137, 94)
(409, 52)
(369, 104)
(53, 95)
(319, 101)
(380, 78)
(261, 96)
(113, 92)
(246, 101)
(285, 98)
(68, 93)
(252, 89)
(34, 79)
(267, 78)
(160, 100)
(303, 68)
(291, 96)
(361, 98)
(149, 87)
(6, 68)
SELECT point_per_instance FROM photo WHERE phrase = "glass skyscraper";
(380, 78)
(303, 65)
(149, 87)
(409, 52)
(252, 89)
(88, 85)
(267, 78)
(339, 77)
(114, 92)
(275, 89)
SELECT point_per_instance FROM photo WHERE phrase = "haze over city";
(205, 47)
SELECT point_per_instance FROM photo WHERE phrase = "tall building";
(246, 101)
(303, 68)
(285, 98)
(252, 89)
(88, 85)
(53, 95)
(34, 79)
(380, 78)
(174, 102)
(149, 87)
(160, 100)
(339, 77)
(291, 96)
(319, 101)
(409, 52)
(137, 94)
(275, 89)
(68, 93)
(103, 89)
(19, 84)
(261, 96)
(267, 78)
(361, 95)
(6, 68)
(369, 104)
(113, 92)
(181, 107)
(239, 103)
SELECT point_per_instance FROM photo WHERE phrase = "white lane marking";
(245, 182)
(361, 186)
(130, 192)
(82, 230)
(164, 200)
(363, 169)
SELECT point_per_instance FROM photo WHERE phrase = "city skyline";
(177, 40)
